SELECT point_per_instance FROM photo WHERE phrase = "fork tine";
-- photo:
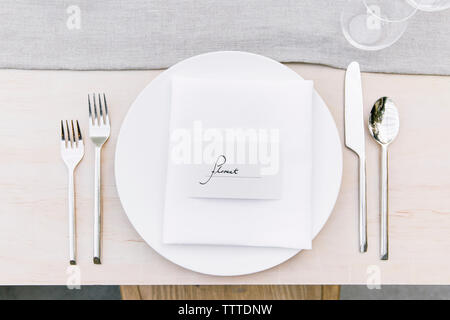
(80, 138)
(101, 121)
(74, 137)
(69, 139)
(100, 104)
(90, 110)
(106, 110)
(95, 110)
(63, 138)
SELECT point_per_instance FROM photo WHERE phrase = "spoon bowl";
(384, 122)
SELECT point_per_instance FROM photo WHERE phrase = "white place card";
(238, 181)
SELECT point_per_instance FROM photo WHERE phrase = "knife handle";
(362, 205)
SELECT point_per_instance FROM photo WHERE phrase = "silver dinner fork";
(99, 131)
(72, 151)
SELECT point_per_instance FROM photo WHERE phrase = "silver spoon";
(383, 126)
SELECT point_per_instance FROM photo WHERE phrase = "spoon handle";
(362, 205)
(384, 255)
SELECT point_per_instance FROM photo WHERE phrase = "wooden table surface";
(33, 214)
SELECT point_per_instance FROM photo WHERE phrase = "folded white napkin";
(283, 221)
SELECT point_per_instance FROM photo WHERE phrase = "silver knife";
(354, 140)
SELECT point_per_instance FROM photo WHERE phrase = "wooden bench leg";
(130, 293)
(264, 292)
(331, 292)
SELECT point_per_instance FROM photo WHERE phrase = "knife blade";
(355, 140)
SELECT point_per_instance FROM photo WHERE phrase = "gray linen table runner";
(152, 34)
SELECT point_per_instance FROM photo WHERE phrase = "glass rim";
(412, 3)
(427, 8)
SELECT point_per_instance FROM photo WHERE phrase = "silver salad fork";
(72, 151)
(99, 131)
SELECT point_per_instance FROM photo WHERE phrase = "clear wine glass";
(375, 25)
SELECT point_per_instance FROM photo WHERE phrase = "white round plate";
(141, 163)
